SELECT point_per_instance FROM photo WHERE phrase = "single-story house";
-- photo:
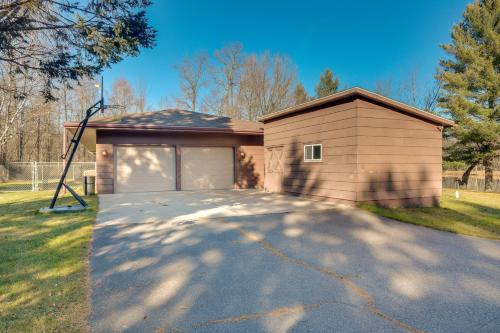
(351, 146)
(174, 150)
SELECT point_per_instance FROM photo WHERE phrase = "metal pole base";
(63, 209)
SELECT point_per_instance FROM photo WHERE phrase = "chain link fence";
(476, 180)
(41, 176)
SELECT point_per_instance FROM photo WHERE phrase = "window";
(313, 153)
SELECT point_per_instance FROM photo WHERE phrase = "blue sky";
(361, 41)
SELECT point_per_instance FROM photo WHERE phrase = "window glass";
(313, 152)
(316, 152)
(308, 152)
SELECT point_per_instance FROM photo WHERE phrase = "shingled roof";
(175, 120)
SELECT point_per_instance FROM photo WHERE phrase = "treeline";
(31, 127)
(47, 46)
(243, 85)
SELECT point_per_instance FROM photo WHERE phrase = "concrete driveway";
(243, 261)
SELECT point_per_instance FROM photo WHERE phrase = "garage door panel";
(207, 168)
(145, 168)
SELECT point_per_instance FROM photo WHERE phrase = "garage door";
(145, 169)
(206, 168)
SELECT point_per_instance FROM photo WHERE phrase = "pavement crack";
(278, 312)
(362, 293)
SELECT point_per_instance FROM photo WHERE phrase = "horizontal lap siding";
(342, 111)
(399, 156)
(370, 153)
(104, 168)
(364, 140)
(335, 128)
(250, 167)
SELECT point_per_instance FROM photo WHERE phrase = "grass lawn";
(44, 283)
(474, 214)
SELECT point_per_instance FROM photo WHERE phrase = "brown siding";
(335, 128)
(370, 153)
(249, 169)
(399, 157)
(104, 168)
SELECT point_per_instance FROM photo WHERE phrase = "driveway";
(245, 261)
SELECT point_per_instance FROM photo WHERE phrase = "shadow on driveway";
(238, 261)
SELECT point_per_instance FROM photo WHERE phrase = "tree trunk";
(488, 174)
(465, 177)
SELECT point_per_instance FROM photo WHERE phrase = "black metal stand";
(75, 141)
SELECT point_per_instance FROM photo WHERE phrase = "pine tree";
(300, 94)
(328, 84)
(470, 80)
(68, 40)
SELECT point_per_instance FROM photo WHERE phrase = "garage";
(145, 169)
(207, 168)
(174, 150)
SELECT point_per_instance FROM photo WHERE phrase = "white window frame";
(313, 159)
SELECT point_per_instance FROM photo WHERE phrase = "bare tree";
(248, 86)
(431, 96)
(265, 85)
(14, 104)
(253, 83)
(384, 87)
(408, 89)
(192, 73)
(31, 127)
(141, 101)
(122, 95)
(226, 76)
(411, 90)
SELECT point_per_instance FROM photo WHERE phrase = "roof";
(175, 120)
(356, 91)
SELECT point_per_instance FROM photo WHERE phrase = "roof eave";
(362, 93)
(168, 128)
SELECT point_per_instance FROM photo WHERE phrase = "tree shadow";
(391, 189)
(284, 272)
(248, 176)
(299, 179)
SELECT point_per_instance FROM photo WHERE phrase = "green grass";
(44, 284)
(473, 214)
(23, 185)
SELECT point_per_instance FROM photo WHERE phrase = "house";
(355, 146)
(351, 146)
(174, 150)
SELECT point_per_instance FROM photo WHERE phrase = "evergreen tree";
(328, 84)
(67, 40)
(300, 94)
(470, 80)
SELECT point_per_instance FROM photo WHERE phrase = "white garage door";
(145, 169)
(207, 168)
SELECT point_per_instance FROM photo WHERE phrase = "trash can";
(89, 185)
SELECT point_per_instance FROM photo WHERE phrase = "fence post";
(35, 177)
